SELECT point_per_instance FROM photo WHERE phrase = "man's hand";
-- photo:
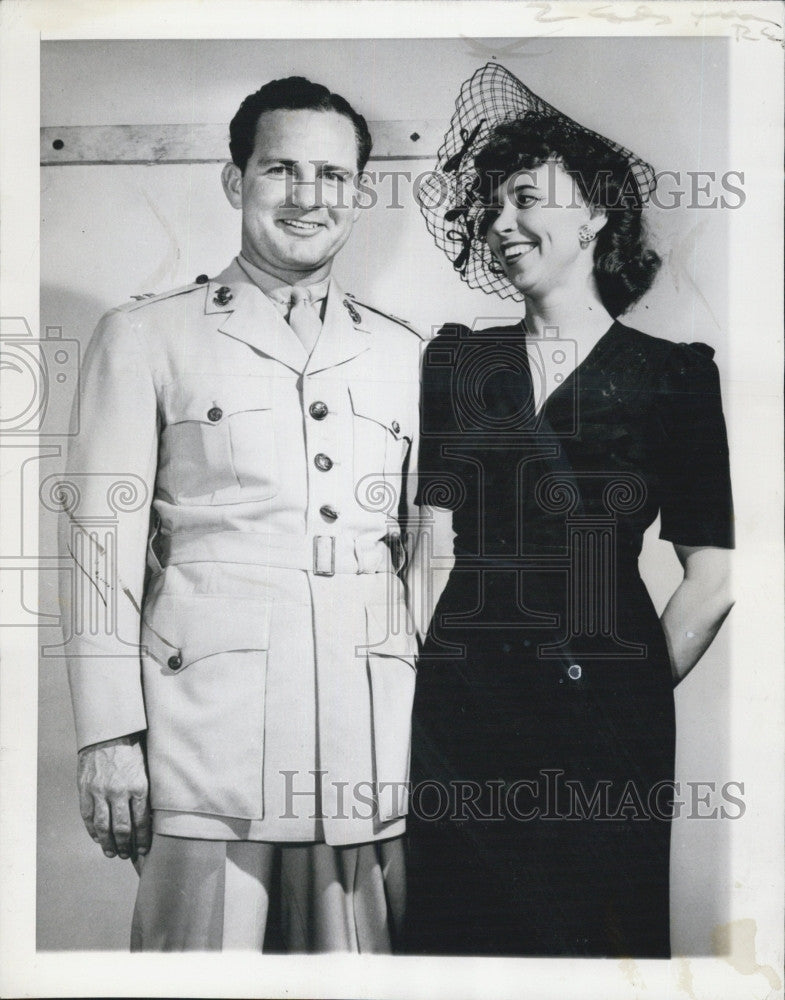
(113, 795)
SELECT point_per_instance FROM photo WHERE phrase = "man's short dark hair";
(293, 93)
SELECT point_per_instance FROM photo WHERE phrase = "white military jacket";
(253, 622)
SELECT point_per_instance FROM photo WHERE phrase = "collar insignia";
(223, 296)
(356, 317)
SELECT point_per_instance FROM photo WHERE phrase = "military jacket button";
(396, 427)
(575, 672)
(175, 662)
(328, 513)
(323, 462)
(214, 414)
(318, 410)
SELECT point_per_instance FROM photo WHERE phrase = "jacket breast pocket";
(204, 666)
(382, 437)
(218, 442)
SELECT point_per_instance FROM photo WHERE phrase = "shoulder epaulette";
(386, 315)
(137, 301)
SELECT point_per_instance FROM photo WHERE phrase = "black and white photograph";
(392, 480)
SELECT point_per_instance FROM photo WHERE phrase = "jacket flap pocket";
(210, 399)
(179, 630)
(375, 402)
(389, 632)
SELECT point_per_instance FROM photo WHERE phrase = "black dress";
(543, 742)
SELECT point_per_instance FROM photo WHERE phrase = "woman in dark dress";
(543, 742)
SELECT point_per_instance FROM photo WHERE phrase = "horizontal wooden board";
(207, 143)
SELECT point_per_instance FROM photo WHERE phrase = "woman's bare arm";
(698, 606)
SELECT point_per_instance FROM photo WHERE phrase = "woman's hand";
(429, 565)
(698, 606)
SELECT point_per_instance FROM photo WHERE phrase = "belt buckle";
(324, 555)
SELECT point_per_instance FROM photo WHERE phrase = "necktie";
(303, 318)
(299, 306)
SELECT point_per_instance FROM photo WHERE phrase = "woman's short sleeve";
(696, 506)
(437, 484)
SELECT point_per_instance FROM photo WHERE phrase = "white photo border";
(755, 361)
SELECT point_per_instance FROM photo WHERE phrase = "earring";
(586, 235)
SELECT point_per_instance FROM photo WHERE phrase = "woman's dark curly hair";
(624, 266)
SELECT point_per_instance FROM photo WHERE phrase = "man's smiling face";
(296, 193)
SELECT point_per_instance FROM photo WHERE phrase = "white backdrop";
(111, 231)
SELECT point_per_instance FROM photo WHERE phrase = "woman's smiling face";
(533, 229)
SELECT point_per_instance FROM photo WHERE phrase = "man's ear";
(361, 182)
(232, 180)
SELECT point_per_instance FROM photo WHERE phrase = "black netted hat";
(450, 198)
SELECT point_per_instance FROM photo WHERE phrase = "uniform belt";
(323, 555)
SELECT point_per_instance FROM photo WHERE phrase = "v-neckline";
(591, 356)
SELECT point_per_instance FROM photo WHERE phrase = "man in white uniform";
(250, 756)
